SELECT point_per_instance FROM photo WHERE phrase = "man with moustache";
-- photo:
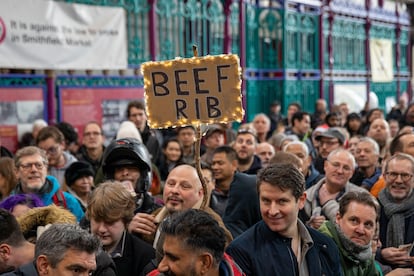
(31, 171)
(265, 151)
(397, 211)
(194, 245)
(182, 191)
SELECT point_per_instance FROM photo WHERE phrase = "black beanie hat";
(77, 170)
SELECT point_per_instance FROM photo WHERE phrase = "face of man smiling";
(182, 189)
(399, 179)
(31, 172)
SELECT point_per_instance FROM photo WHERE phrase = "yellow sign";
(193, 91)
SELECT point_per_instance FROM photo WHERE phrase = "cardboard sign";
(193, 91)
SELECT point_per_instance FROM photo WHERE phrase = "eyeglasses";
(28, 166)
(52, 150)
(394, 175)
(337, 166)
(89, 134)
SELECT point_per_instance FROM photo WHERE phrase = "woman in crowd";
(8, 178)
(20, 204)
(172, 155)
(79, 181)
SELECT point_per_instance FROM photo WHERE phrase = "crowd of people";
(322, 193)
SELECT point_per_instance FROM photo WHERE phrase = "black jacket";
(260, 251)
(242, 210)
(135, 256)
(255, 167)
(24, 270)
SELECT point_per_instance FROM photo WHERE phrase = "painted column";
(398, 50)
(367, 50)
(51, 101)
(227, 39)
(152, 28)
(331, 57)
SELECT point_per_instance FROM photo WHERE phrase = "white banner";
(381, 60)
(40, 34)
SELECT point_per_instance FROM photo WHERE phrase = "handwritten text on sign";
(193, 90)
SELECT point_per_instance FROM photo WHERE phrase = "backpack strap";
(59, 199)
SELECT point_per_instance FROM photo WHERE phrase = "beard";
(245, 161)
(170, 273)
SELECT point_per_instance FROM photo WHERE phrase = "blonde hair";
(29, 151)
(111, 201)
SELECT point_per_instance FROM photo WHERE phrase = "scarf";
(396, 213)
(362, 253)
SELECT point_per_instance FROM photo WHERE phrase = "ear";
(42, 265)
(338, 218)
(235, 164)
(205, 261)
(5, 252)
(301, 201)
(308, 160)
(325, 163)
(201, 192)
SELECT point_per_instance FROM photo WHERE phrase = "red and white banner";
(40, 34)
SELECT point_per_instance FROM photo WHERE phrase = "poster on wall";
(107, 106)
(19, 108)
(381, 60)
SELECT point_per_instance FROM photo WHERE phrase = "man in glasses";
(322, 198)
(92, 147)
(52, 141)
(327, 142)
(31, 171)
(397, 211)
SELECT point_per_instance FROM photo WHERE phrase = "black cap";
(77, 170)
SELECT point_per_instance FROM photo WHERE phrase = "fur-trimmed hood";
(43, 216)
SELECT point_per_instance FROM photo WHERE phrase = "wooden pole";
(199, 135)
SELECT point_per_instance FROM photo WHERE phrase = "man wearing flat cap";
(213, 138)
(327, 141)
